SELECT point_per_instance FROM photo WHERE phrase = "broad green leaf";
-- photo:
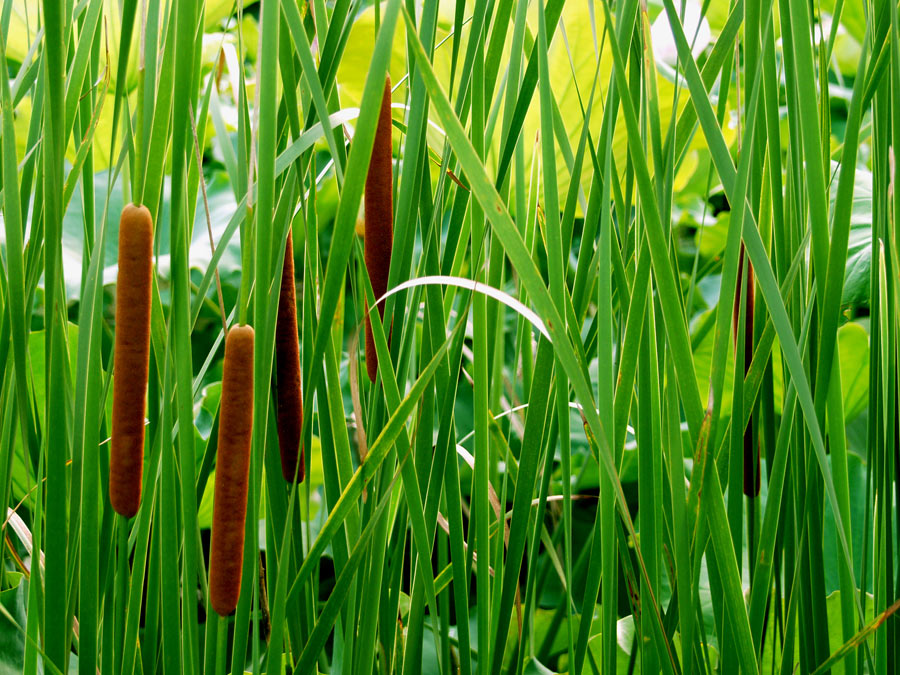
(854, 359)
(833, 603)
(12, 640)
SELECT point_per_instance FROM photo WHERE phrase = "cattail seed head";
(131, 359)
(379, 231)
(232, 469)
(287, 363)
(751, 449)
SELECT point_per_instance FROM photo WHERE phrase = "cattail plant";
(751, 451)
(132, 357)
(287, 363)
(379, 235)
(232, 468)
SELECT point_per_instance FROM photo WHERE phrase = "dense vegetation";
(630, 402)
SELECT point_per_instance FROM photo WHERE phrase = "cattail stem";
(379, 236)
(222, 645)
(232, 468)
(132, 358)
(287, 363)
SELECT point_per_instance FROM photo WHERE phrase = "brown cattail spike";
(232, 467)
(751, 451)
(379, 219)
(132, 357)
(287, 362)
